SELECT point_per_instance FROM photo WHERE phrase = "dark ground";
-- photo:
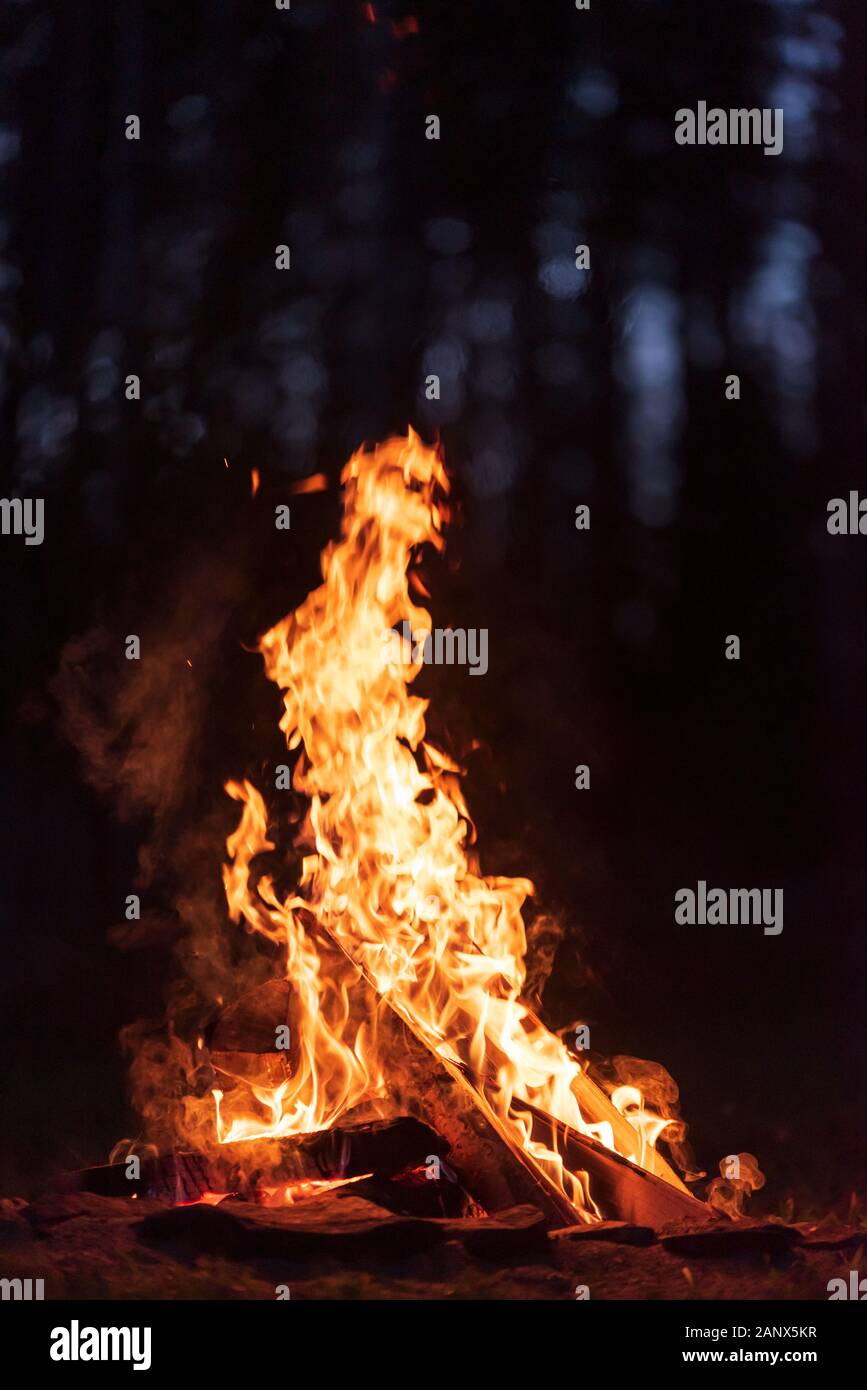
(340, 1246)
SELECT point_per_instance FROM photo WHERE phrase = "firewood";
(479, 1151)
(241, 1046)
(595, 1106)
(344, 1151)
(621, 1190)
(175, 1177)
(242, 1043)
(443, 1094)
(420, 1192)
(249, 1024)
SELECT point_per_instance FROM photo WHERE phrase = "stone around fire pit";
(341, 1246)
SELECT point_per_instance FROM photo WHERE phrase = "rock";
(738, 1238)
(330, 1225)
(51, 1211)
(508, 1233)
(831, 1237)
(615, 1232)
(14, 1227)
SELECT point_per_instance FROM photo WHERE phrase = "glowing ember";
(286, 1194)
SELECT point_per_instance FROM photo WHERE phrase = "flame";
(287, 1194)
(316, 482)
(389, 891)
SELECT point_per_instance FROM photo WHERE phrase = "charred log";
(383, 1147)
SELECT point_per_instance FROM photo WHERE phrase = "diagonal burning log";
(481, 1146)
(621, 1190)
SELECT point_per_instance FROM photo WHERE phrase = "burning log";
(483, 1158)
(474, 1142)
(242, 1040)
(250, 1023)
(449, 1099)
(176, 1178)
(477, 1150)
(345, 1151)
(242, 1043)
(621, 1190)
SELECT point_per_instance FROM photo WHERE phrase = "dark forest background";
(455, 257)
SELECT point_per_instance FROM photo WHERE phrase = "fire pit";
(384, 1106)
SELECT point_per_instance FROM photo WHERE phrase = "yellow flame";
(386, 875)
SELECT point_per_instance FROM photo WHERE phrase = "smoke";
(138, 723)
(157, 736)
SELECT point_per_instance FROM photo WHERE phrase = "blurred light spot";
(10, 144)
(773, 316)
(595, 93)
(45, 423)
(303, 375)
(799, 99)
(359, 201)
(559, 277)
(551, 238)
(41, 350)
(446, 358)
(493, 463)
(287, 325)
(102, 379)
(296, 424)
(651, 369)
(10, 276)
(448, 236)
(492, 471)
(808, 55)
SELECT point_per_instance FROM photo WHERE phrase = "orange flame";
(388, 889)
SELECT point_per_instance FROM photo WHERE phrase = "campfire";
(390, 1042)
